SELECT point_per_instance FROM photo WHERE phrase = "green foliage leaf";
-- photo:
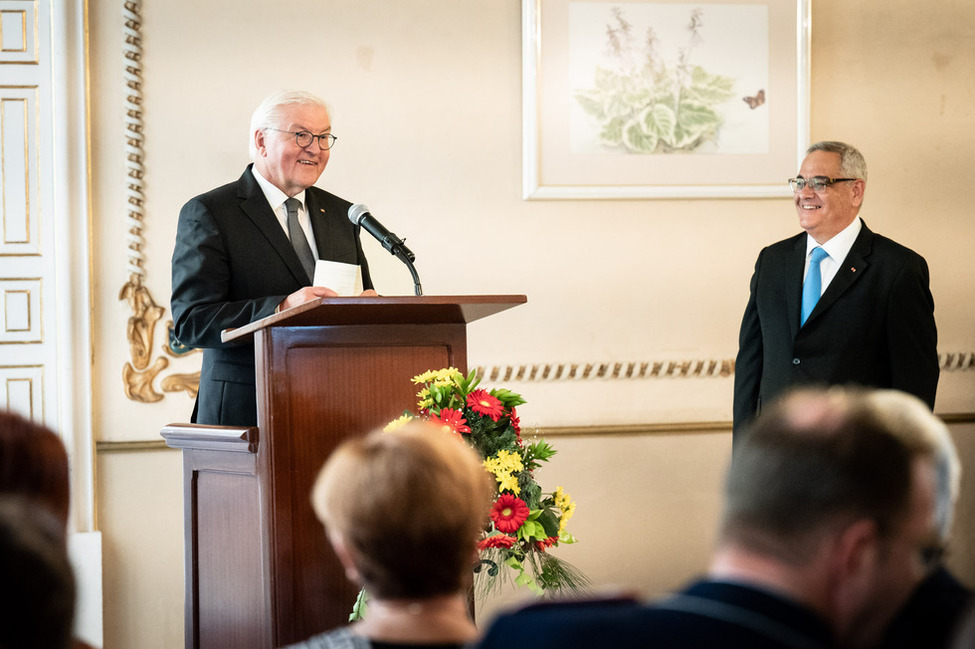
(550, 522)
(660, 121)
(636, 139)
(360, 608)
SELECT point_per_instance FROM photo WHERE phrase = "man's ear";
(859, 187)
(259, 142)
(853, 564)
(856, 548)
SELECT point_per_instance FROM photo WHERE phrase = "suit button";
(796, 361)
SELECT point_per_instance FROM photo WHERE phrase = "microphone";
(359, 215)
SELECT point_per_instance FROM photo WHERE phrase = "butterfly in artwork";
(756, 101)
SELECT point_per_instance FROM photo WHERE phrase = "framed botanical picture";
(666, 99)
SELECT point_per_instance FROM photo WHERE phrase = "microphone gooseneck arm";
(359, 215)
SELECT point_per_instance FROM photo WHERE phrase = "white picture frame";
(749, 58)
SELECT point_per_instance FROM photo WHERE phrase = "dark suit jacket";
(874, 325)
(707, 614)
(233, 263)
(932, 615)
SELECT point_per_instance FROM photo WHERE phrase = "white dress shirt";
(836, 249)
(276, 198)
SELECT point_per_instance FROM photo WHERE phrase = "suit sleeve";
(748, 364)
(912, 334)
(201, 301)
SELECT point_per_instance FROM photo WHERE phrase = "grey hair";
(907, 416)
(852, 163)
(267, 113)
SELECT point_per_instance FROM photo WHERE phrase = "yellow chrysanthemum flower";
(504, 466)
(440, 377)
(397, 423)
(424, 399)
(567, 513)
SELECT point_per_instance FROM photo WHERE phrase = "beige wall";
(427, 103)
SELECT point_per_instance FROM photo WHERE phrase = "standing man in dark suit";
(247, 249)
(864, 312)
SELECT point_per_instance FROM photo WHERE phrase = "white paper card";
(344, 279)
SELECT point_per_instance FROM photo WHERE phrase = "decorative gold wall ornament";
(139, 374)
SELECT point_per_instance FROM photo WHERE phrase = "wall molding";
(621, 370)
(619, 430)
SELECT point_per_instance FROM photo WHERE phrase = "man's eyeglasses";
(816, 183)
(304, 138)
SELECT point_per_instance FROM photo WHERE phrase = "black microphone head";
(356, 212)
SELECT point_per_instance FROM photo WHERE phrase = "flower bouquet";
(525, 521)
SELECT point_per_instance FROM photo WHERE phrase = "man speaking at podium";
(248, 249)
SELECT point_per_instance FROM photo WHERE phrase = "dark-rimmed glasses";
(304, 138)
(816, 183)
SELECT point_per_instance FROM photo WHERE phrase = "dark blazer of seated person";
(706, 614)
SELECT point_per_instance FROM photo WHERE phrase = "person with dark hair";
(34, 463)
(34, 469)
(248, 249)
(37, 607)
(403, 511)
(828, 515)
(836, 304)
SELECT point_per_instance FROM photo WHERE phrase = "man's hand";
(310, 293)
(306, 294)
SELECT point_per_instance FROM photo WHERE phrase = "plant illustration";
(648, 103)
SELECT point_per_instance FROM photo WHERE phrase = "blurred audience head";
(36, 577)
(842, 496)
(404, 509)
(905, 414)
(34, 463)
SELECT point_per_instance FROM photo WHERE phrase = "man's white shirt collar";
(839, 246)
(275, 197)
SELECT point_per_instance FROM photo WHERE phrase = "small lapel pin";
(322, 210)
(852, 269)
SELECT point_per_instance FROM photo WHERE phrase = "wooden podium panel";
(321, 395)
(259, 570)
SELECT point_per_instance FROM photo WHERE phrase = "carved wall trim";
(142, 369)
(612, 370)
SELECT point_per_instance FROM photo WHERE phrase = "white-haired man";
(248, 249)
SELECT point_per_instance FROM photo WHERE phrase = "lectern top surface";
(424, 309)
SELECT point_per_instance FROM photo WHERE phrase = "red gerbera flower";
(547, 543)
(484, 404)
(509, 512)
(496, 541)
(452, 420)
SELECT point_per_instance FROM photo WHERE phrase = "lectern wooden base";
(259, 571)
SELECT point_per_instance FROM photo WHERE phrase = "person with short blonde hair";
(403, 511)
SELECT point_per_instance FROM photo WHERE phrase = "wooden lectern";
(258, 568)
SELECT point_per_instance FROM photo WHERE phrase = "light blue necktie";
(813, 286)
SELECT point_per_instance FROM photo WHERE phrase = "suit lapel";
(793, 269)
(255, 206)
(850, 270)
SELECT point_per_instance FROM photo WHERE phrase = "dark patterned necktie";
(298, 239)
